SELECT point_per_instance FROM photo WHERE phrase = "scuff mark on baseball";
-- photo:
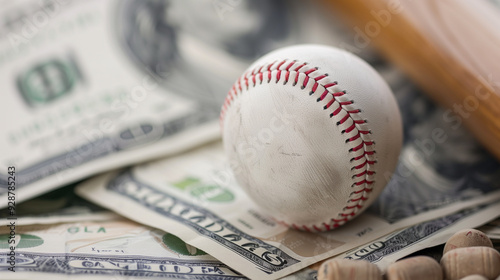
(312, 133)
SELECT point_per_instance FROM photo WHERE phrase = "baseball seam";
(343, 113)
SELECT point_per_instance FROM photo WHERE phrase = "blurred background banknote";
(492, 229)
(90, 86)
(394, 246)
(59, 206)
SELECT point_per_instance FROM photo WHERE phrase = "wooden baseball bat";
(450, 48)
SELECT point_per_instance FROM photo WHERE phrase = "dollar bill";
(58, 206)
(74, 102)
(440, 162)
(388, 249)
(492, 229)
(113, 249)
(196, 197)
(304, 274)
(89, 86)
(110, 249)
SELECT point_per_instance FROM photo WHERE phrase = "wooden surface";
(450, 48)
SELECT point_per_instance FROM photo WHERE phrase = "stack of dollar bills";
(111, 165)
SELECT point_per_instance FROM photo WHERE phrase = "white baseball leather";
(312, 133)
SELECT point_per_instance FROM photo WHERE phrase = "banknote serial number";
(12, 217)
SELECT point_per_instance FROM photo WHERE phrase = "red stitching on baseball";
(239, 84)
(348, 214)
(363, 155)
(269, 67)
(362, 198)
(306, 79)
(279, 65)
(259, 72)
(327, 226)
(323, 95)
(345, 118)
(310, 71)
(297, 76)
(329, 103)
(334, 113)
(354, 137)
(320, 77)
(365, 172)
(300, 66)
(315, 87)
(350, 128)
(362, 182)
(363, 164)
(358, 147)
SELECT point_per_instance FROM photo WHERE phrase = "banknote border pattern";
(117, 184)
(410, 236)
(102, 147)
(60, 263)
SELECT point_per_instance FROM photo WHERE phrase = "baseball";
(311, 133)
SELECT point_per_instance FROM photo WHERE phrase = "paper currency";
(492, 229)
(58, 206)
(196, 197)
(440, 162)
(74, 104)
(113, 249)
(89, 86)
(390, 248)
